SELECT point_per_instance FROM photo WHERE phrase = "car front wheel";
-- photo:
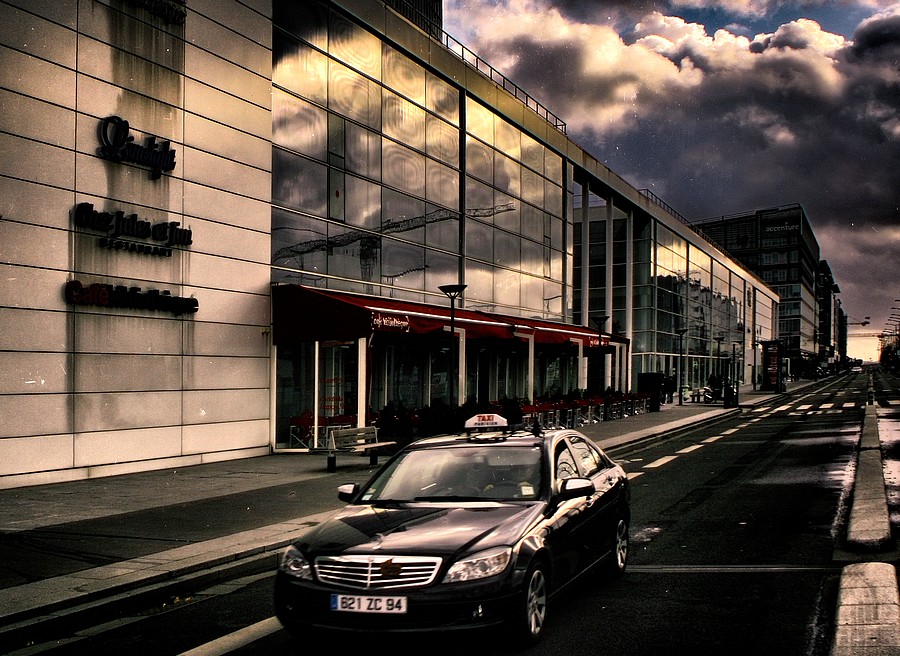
(532, 613)
(618, 558)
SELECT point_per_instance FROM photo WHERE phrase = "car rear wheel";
(532, 613)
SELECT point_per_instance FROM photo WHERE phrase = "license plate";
(367, 604)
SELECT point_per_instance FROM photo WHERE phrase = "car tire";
(531, 615)
(617, 560)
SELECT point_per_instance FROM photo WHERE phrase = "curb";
(869, 526)
(868, 611)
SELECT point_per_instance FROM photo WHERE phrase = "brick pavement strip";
(868, 613)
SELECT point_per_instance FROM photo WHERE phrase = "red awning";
(302, 314)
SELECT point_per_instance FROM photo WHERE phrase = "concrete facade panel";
(34, 373)
(37, 162)
(102, 332)
(225, 207)
(231, 43)
(99, 178)
(98, 99)
(218, 139)
(220, 106)
(231, 241)
(231, 307)
(32, 288)
(37, 78)
(37, 120)
(126, 411)
(23, 455)
(252, 19)
(209, 438)
(33, 414)
(24, 201)
(252, 87)
(213, 407)
(92, 449)
(204, 338)
(225, 372)
(37, 36)
(33, 330)
(214, 272)
(129, 71)
(100, 372)
(35, 246)
(214, 171)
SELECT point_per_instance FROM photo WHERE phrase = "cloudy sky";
(724, 106)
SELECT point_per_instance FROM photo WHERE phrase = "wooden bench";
(362, 440)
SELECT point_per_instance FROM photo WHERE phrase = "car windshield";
(467, 472)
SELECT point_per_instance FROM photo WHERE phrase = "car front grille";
(377, 572)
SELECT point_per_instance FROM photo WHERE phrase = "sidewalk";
(27, 608)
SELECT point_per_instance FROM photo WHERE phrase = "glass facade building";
(322, 170)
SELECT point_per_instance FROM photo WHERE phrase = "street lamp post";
(718, 367)
(453, 292)
(681, 332)
(734, 371)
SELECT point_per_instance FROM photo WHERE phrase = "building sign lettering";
(120, 229)
(117, 145)
(388, 322)
(120, 296)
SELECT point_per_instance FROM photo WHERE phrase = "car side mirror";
(572, 488)
(348, 491)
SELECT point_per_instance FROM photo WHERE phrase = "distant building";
(778, 245)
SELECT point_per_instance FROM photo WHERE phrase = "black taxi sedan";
(460, 532)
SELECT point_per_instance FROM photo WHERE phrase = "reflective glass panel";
(300, 69)
(298, 182)
(298, 241)
(532, 223)
(441, 98)
(531, 293)
(307, 20)
(532, 256)
(363, 151)
(403, 168)
(532, 153)
(363, 205)
(479, 199)
(506, 287)
(403, 121)
(480, 281)
(553, 198)
(441, 269)
(479, 160)
(353, 253)
(404, 75)
(442, 184)
(479, 240)
(553, 167)
(442, 140)
(442, 229)
(402, 215)
(298, 125)
(353, 96)
(479, 121)
(532, 187)
(506, 249)
(507, 139)
(507, 213)
(507, 174)
(355, 46)
(404, 264)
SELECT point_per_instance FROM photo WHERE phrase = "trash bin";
(651, 383)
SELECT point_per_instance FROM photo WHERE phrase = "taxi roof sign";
(487, 420)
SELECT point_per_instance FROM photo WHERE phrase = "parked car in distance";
(459, 532)
(856, 369)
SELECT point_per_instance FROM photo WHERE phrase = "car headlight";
(480, 566)
(294, 564)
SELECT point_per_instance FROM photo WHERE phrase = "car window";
(588, 456)
(565, 463)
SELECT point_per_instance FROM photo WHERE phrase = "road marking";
(710, 440)
(633, 475)
(688, 449)
(825, 406)
(660, 462)
(729, 431)
(236, 640)
(849, 404)
(805, 406)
